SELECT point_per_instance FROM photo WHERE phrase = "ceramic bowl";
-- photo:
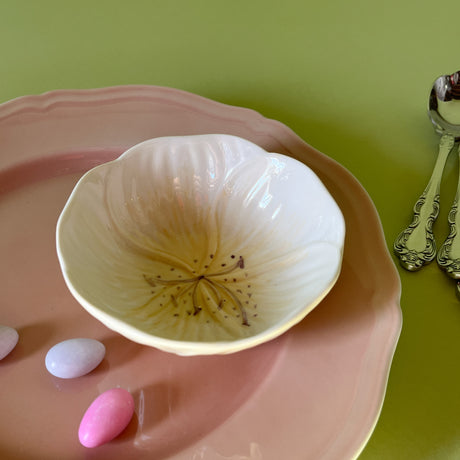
(202, 244)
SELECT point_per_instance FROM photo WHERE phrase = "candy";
(8, 340)
(106, 417)
(74, 358)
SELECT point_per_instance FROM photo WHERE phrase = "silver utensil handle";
(415, 246)
(449, 253)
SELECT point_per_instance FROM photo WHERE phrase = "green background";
(350, 77)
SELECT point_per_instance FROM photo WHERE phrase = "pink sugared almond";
(107, 416)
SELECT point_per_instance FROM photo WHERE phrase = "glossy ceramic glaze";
(200, 244)
(313, 393)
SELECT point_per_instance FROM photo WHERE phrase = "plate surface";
(314, 393)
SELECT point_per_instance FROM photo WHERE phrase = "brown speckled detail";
(221, 290)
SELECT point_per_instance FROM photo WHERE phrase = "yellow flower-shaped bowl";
(200, 244)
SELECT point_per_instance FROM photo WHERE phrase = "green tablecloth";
(350, 77)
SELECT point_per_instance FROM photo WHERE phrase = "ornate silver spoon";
(415, 246)
(447, 120)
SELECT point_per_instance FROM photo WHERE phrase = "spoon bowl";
(444, 105)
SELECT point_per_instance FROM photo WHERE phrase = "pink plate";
(314, 393)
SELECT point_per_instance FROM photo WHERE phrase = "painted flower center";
(220, 290)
